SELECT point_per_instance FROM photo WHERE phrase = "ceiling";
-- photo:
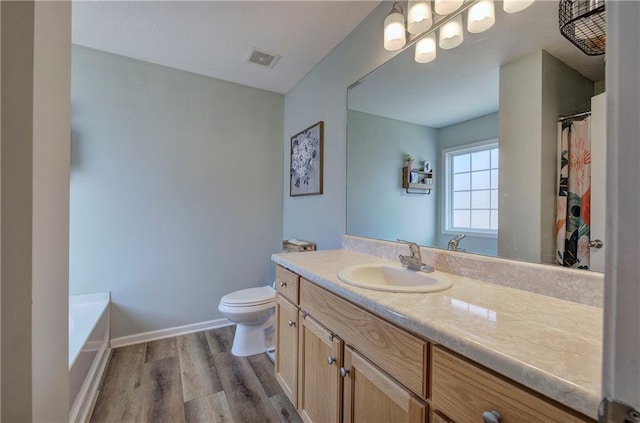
(462, 83)
(214, 38)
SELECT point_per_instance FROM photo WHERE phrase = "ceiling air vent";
(262, 58)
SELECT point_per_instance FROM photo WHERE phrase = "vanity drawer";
(463, 391)
(287, 284)
(400, 354)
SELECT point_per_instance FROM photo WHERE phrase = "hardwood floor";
(192, 379)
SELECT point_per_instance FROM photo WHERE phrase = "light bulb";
(444, 7)
(451, 33)
(395, 36)
(513, 6)
(419, 17)
(426, 49)
(481, 16)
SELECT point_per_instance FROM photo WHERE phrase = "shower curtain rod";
(561, 118)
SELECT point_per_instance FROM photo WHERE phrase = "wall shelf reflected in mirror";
(416, 181)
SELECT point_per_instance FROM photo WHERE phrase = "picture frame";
(306, 161)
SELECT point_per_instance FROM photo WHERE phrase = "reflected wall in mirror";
(508, 85)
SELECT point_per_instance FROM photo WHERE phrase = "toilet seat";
(249, 297)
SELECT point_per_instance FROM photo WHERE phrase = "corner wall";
(534, 91)
(564, 92)
(176, 193)
(17, 206)
(36, 43)
(322, 95)
(378, 206)
(51, 146)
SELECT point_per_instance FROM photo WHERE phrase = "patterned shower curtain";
(573, 222)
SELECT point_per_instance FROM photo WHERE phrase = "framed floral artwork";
(306, 161)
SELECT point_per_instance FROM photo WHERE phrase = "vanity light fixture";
(421, 24)
(445, 7)
(395, 36)
(426, 49)
(513, 6)
(419, 16)
(451, 34)
(481, 16)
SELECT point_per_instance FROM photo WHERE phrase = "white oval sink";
(393, 278)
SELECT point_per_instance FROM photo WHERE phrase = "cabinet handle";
(283, 284)
(331, 360)
(291, 323)
(344, 372)
(491, 417)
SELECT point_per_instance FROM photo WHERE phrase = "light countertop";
(550, 345)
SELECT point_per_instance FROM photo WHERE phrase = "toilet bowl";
(252, 310)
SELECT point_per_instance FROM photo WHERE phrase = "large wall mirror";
(486, 116)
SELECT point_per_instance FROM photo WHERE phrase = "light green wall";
(377, 206)
(176, 193)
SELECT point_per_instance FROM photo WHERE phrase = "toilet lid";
(250, 296)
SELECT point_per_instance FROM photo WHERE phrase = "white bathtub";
(88, 349)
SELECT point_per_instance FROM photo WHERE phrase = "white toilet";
(253, 311)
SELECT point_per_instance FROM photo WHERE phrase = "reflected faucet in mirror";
(414, 261)
(453, 243)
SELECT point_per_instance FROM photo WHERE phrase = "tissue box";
(297, 246)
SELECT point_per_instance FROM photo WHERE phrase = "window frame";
(448, 188)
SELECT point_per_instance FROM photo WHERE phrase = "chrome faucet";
(453, 243)
(414, 261)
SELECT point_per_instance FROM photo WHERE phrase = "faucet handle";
(413, 247)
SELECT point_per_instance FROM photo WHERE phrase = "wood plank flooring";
(190, 379)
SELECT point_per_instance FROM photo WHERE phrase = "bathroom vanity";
(350, 354)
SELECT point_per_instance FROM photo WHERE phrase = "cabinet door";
(371, 396)
(319, 362)
(286, 366)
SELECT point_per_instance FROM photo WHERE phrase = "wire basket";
(583, 22)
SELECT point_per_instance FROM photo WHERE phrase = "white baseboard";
(139, 338)
(83, 405)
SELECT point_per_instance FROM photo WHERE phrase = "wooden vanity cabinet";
(463, 391)
(370, 395)
(319, 363)
(398, 353)
(287, 323)
(338, 362)
(309, 359)
(286, 363)
(438, 418)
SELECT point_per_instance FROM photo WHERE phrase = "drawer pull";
(491, 417)
(331, 360)
(283, 284)
(291, 323)
(344, 372)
